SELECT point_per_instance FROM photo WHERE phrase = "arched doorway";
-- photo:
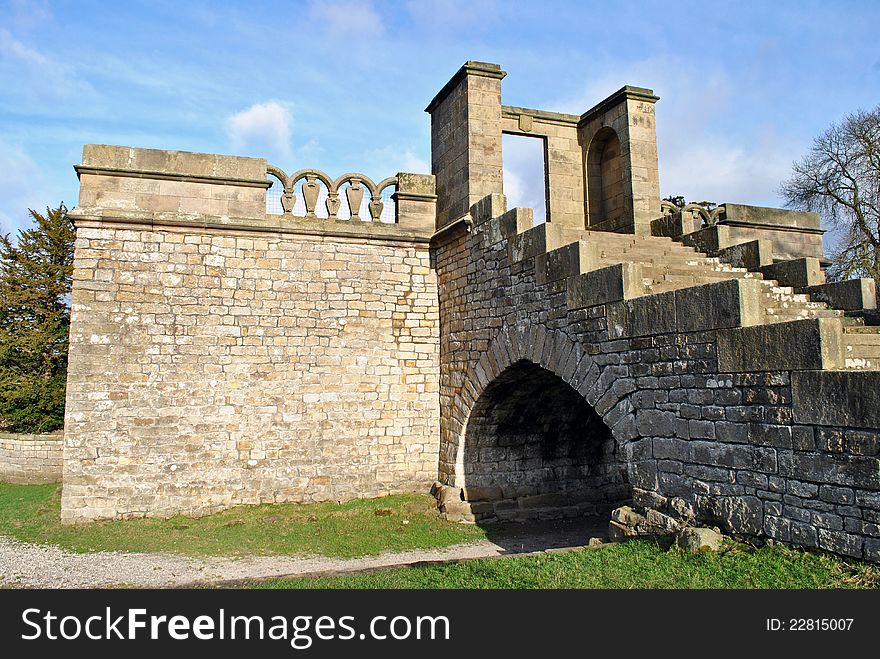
(605, 180)
(535, 449)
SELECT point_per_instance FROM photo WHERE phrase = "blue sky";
(342, 85)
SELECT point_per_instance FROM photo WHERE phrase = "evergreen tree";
(35, 282)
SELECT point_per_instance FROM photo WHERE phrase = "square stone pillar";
(619, 141)
(466, 139)
(416, 201)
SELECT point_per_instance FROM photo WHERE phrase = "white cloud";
(351, 19)
(29, 13)
(391, 159)
(717, 168)
(262, 130)
(446, 15)
(707, 151)
(22, 186)
(523, 172)
(29, 76)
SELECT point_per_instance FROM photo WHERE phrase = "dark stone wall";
(728, 444)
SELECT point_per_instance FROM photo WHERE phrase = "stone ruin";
(242, 336)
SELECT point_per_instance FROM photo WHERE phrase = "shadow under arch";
(536, 451)
(605, 178)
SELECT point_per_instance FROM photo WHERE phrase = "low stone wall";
(30, 459)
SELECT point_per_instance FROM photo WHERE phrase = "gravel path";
(41, 566)
(25, 565)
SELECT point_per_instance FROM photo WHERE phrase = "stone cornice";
(543, 116)
(169, 176)
(622, 94)
(769, 226)
(413, 196)
(472, 68)
(453, 230)
(273, 224)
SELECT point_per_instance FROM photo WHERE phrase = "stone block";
(741, 514)
(763, 216)
(751, 255)
(489, 207)
(797, 273)
(699, 540)
(611, 284)
(836, 398)
(642, 316)
(566, 261)
(537, 240)
(851, 295)
(708, 239)
(848, 470)
(416, 184)
(514, 221)
(724, 304)
(840, 542)
(798, 345)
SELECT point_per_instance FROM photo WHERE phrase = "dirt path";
(39, 566)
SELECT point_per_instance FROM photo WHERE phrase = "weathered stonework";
(30, 459)
(222, 355)
(219, 360)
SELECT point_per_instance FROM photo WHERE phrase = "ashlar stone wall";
(210, 369)
(240, 358)
(29, 459)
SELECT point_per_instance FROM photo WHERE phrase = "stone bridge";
(691, 361)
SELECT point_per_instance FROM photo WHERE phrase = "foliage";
(840, 178)
(32, 513)
(676, 200)
(681, 202)
(35, 282)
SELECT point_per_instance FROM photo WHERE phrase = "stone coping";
(482, 69)
(30, 436)
(767, 225)
(170, 176)
(544, 116)
(453, 230)
(625, 92)
(278, 224)
(767, 216)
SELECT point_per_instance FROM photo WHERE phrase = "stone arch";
(518, 363)
(606, 183)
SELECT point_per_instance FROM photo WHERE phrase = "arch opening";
(535, 449)
(605, 180)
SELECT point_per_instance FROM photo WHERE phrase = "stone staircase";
(664, 266)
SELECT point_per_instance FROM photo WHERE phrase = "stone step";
(863, 351)
(784, 303)
(856, 326)
(861, 338)
(794, 298)
(659, 269)
(773, 315)
(853, 364)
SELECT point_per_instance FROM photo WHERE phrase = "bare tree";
(840, 179)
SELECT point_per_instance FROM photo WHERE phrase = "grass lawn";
(31, 513)
(637, 564)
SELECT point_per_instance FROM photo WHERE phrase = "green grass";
(31, 513)
(637, 564)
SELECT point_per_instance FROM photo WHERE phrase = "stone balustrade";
(315, 186)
